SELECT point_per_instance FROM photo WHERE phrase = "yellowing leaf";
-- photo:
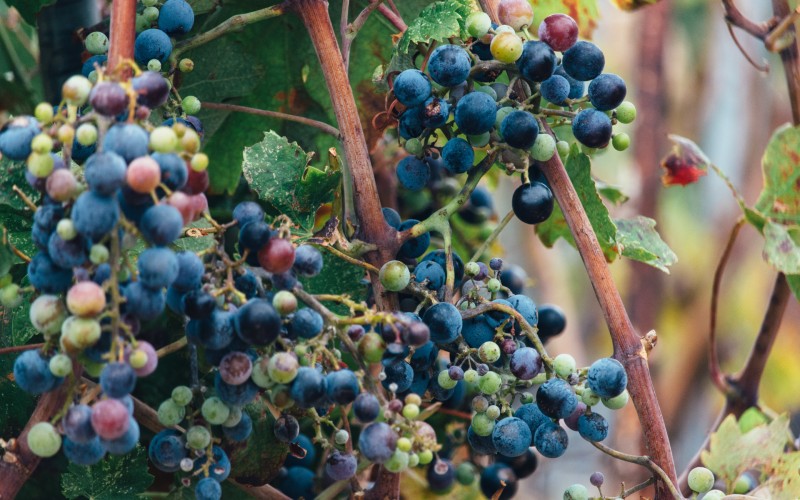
(783, 481)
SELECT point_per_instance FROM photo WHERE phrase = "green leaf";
(438, 21)
(12, 173)
(195, 244)
(29, 8)
(585, 13)
(794, 284)
(731, 452)
(15, 325)
(612, 193)
(338, 277)
(640, 241)
(16, 405)
(781, 248)
(783, 481)
(259, 459)
(114, 478)
(780, 197)
(553, 228)
(280, 174)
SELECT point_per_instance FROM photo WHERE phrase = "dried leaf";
(685, 163)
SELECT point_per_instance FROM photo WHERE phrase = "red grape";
(199, 204)
(86, 299)
(559, 31)
(61, 185)
(515, 13)
(110, 418)
(183, 202)
(143, 174)
(277, 256)
(108, 98)
(197, 182)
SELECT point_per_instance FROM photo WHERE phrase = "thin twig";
(356, 262)
(20, 348)
(763, 67)
(393, 17)
(485, 245)
(645, 462)
(173, 347)
(351, 31)
(328, 129)
(639, 487)
(735, 17)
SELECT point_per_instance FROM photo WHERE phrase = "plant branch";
(490, 7)
(350, 32)
(645, 462)
(122, 34)
(393, 17)
(734, 17)
(328, 129)
(19, 348)
(488, 241)
(628, 346)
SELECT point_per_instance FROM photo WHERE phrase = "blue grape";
(435, 112)
(221, 468)
(481, 444)
(592, 128)
(16, 137)
(593, 427)
(513, 277)
(304, 442)
(81, 153)
(174, 300)
(199, 305)
(519, 129)
(257, 322)
(174, 173)
(306, 323)
(248, 211)
(166, 450)
(87, 453)
(526, 363)
(556, 399)
(556, 89)
(441, 475)
(342, 386)
(458, 155)
(105, 172)
(366, 407)
(523, 465)
(298, 483)
(77, 424)
(254, 235)
(552, 321)
(88, 65)
(190, 271)
(143, 302)
(413, 173)
(235, 395)
(127, 140)
(207, 488)
(444, 321)
(158, 268)
(422, 379)
(307, 261)
(432, 272)
(68, 253)
(525, 306)
(46, 276)
(215, 332)
(152, 90)
(391, 217)
(152, 44)
(511, 436)
(309, 387)
(607, 378)
(449, 65)
(94, 215)
(482, 50)
(576, 87)
(247, 283)
(440, 258)
(532, 415)
(476, 113)
(537, 62)
(495, 318)
(377, 442)
(340, 466)
(175, 17)
(125, 443)
(439, 393)
(476, 331)
(416, 246)
(32, 373)
(410, 123)
(397, 372)
(241, 431)
(532, 203)
(551, 440)
(132, 204)
(161, 225)
(412, 87)
(607, 91)
(496, 477)
(424, 356)
(583, 61)
(117, 379)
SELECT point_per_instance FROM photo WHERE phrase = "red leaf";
(685, 163)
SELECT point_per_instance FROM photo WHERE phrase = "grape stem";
(350, 31)
(485, 245)
(19, 348)
(328, 129)
(645, 462)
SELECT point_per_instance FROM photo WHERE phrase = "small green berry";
(621, 141)
(626, 112)
(191, 104)
(154, 65)
(700, 479)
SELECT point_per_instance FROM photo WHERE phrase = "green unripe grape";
(98, 253)
(621, 141)
(342, 436)
(65, 134)
(564, 365)
(526, 398)
(493, 285)
(170, 413)
(413, 146)
(260, 374)
(504, 28)
(413, 399)
(40, 165)
(150, 13)
(404, 444)
(190, 141)
(479, 141)
(750, 419)
(445, 381)
(413, 459)
(154, 65)
(700, 479)
(186, 65)
(398, 461)
(182, 395)
(191, 104)
(589, 397)
(411, 411)
(471, 376)
(199, 162)
(138, 359)
(617, 402)
(42, 144)
(282, 367)
(284, 302)
(501, 115)
(92, 76)
(215, 411)
(44, 440)
(626, 112)
(472, 269)
(714, 495)
(394, 275)
(563, 149)
(9, 296)
(482, 425)
(198, 437)
(96, 43)
(141, 23)
(79, 333)
(86, 134)
(234, 417)
(490, 383)
(76, 90)
(163, 140)
(488, 91)
(743, 484)
(465, 473)
(543, 148)
(60, 365)
(300, 350)
(371, 347)
(493, 411)
(478, 24)
(425, 457)
(489, 352)
(44, 112)
(506, 47)
(66, 229)
(576, 492)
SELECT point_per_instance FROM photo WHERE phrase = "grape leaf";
(280, 174)
(195, 242)
(15, 325)
(783, 480)
(731, 452)
(612, 193)
(338, 277)
(28, 9)
(17, 224)
(794, 284)
(640, 241)
(16, 405)
(12, 173)
(553, 228)
(780, 197)
(633, 4)
(259, 459)
(438, 21)
(585, 13)
(781, 248)
(115, 477)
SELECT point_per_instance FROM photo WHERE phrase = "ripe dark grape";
(307, 261)
(158, 267)
(514, 278)
(526, 363)
(607, 378)
(152, 89)
(519, 129)
(583, 61)
(340, 466)
(412, 87)
(441, 475)
(572, 420)
(86, 453)
(286, 428)
(532, 203)
(235, 368)
(309, 387)
(166, 450)
(523, 465)
(199, 305)
(475, 113)
(16, 137)
(257, 322)
(410, 124)
(377, 442)
(77, 424)
(298, 483)
(444, 321)
(435, 112)
(152, 44)
(221, 468)
(458, 156)
(366, 407)
(277, 256)
(117, 380)
(125, 443)
(143, 302)
(342, 386)
(559, 31)
(235, 395)
(306, 323)
(496, 477)
(207, 488)
(32, 373)
(476, 331)
(537, 62)
(449, 65)
(46, 276)
(607, 91)
(593, 427)
(391, 217)
(413, 173)
(432, 272)
(88, 65)
(108, 98)
(105, 173)
(397, 372)
(127, 140)
(551, 440)
(254, 235)
(161, 225)
(94, 215)
(190, 271)
(69, 253)
(175, 17)
(174, 173)
(556, 89)
(483, 445)
(241, 431)
(527, 309)
(556, 399)
(248, 211)
(511, 437)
